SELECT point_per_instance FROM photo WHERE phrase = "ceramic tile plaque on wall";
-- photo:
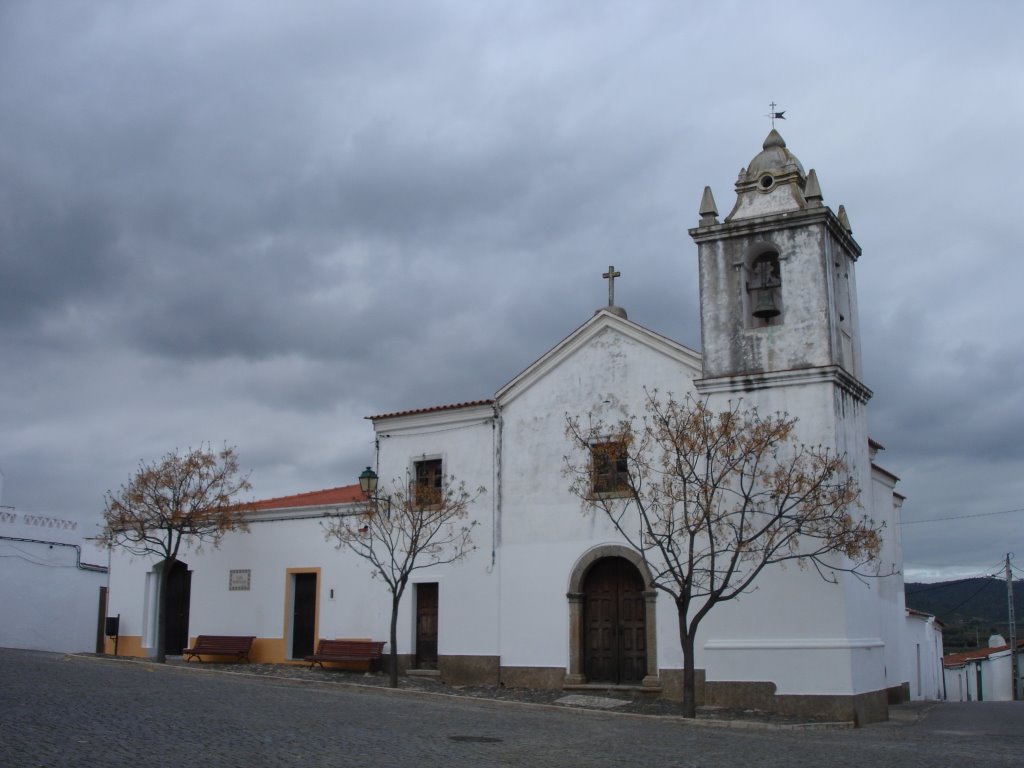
(239, 580)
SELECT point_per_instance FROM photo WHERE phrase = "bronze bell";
(764, 304)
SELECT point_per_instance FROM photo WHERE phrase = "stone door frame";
(575, 596)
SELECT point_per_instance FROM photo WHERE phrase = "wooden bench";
(219, 645)
(351, 651)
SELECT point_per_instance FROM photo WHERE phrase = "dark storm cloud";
(238, 222)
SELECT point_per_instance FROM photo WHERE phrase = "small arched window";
(765, 287)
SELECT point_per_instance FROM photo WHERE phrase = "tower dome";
(774, 158)
(773, 182)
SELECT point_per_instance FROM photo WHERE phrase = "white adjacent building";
(984, 674)
(779, 322)
(923, 657)
(53, 588)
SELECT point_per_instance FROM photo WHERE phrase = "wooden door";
(303, 615)
(177, 597)
(614, 620)
(426, 626)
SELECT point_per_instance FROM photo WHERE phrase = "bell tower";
(779, 331)
(777, 284)
(778, 300)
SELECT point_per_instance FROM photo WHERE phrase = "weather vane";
(780, 115)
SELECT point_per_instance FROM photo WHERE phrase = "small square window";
(609, 467)
(429, 481)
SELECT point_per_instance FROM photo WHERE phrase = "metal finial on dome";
(775, 114)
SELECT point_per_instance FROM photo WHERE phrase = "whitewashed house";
(780, 330)
(52, 589)
(923, 667)
(984, 674)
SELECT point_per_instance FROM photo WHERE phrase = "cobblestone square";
(62, 710)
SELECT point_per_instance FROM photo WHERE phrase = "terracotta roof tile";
(955, 659)
(346, 494)
(432, 409)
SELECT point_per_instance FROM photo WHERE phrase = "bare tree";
(191, 496)
(416, 527)
(709, 500)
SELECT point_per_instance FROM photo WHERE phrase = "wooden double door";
(614, 623)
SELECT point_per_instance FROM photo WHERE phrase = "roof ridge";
(341, 494)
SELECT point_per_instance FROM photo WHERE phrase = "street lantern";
(368, 482)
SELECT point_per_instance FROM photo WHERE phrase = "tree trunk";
(393, 671)
(686, 638)
(163, 574)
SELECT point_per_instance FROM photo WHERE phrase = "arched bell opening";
(764, 289)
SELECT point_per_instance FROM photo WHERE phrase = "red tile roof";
(956, 659)
(346, 494)
(432, 409)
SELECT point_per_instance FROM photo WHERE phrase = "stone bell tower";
(777, 281)
(780, 333)
(778, 302)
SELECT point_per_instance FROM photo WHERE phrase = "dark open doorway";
(177, 596)
(303, 614)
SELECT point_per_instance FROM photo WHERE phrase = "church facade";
(779, 331)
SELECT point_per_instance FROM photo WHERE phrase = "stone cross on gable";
(610, 276)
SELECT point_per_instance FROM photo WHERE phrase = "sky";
(255, 224)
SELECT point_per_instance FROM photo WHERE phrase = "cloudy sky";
(259, 223)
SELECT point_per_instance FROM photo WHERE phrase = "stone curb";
(741, 725)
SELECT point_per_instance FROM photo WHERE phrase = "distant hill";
(970, 609)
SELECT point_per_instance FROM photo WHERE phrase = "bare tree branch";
(710, 499)
(415, 527)
(191, 496)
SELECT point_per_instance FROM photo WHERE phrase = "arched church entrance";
(614, 623)
(612, 619)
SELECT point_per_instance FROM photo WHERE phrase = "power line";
(973, 595)
(961, 517)
(944, 584)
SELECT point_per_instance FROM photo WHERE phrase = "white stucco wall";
(961, 682)
(543, 530)
(464, 440)
(48, 600)
(351, 602)
(922, 657)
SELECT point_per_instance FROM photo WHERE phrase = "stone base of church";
(470, 670)
(533, 677)
(899, 694)
(860, 708)
(672, 684)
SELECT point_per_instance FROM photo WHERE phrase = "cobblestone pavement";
(58, 710)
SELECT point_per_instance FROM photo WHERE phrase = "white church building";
(779, 325)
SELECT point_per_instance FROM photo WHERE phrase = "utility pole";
(1014, 671)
